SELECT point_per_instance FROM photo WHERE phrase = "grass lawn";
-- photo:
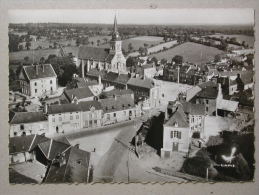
(240, 38)
(191, 52)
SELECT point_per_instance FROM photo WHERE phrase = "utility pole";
(128, 166)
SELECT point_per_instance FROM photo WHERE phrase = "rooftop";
(193, 109)
(71, 166)
(39, 71)
(79, 93)
(81, 106)
(144, 83)
(93, 53)
(26, 117)
(178, 119)
(120, 103)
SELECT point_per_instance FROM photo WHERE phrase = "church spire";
(115, 29)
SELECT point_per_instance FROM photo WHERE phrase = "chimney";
(37, 69)
(46, 108)
(83, 69)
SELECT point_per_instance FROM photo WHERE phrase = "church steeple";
(115, 29)
(115, 33)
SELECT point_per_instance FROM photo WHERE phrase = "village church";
(109, 59)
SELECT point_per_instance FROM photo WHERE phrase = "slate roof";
(247, 77)
(52, 147)
(109, 76)
(193, 109)
(79, 93)
(74, 169)
(228, 105)
(94, 53)
(81, 106)
(208, 92)
(81, 82)
(208, 84)
(26, 117)
(144, 83)
(120, 103)
(118, 92)
(44, 71)
(178, 117)
(25, 143)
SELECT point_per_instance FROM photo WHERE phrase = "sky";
(135, 16)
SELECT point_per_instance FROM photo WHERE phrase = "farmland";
(138, 42)
(191, 52)
(240, 38)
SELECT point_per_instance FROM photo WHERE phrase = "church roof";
(94, 53)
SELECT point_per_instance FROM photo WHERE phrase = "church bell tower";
(115, 43)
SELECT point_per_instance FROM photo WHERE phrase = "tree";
(42, 60)
(26, 59)
(163, 61)
(20, 47)
(154, 59)
(217, 58)
(141, 50)
(145, 45)
(77, 41)
(13, 42)
(130, 47)
(178, 59)
(131, 61)
(28, 45)
(98, 42)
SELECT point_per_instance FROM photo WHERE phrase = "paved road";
(108, 164)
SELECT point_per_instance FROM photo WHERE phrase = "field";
(191, 52)
(44, 43)
(240, 38)
(138, 42)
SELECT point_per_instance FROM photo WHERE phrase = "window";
(71, 117)
(77, 116)
(53, 120)
(60, 118)
(108, 116)
(207, 101)
(15, 133)
(176, 134)
(22, 126)
(207, 109)
(50, 81)
(35, 84)
(114, 114)
(35, 90)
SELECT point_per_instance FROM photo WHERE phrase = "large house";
(79, 95)
(145, 90)
(68, 117)
(38, 80)
(176, 135)
(119, 109)
(108, 59)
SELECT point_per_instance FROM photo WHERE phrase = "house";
(38, 80)
(118, 109)
(149, 70)
(145, 90)
(63, 162)
(108, 79)
(68, 117)
(108, 59)
(176, 134)
(117, 93)
(20, 148)
(195, 114)
(79, 95)
(69, 166)
(27, 123)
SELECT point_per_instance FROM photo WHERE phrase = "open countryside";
(240, 38)
(191, 52)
